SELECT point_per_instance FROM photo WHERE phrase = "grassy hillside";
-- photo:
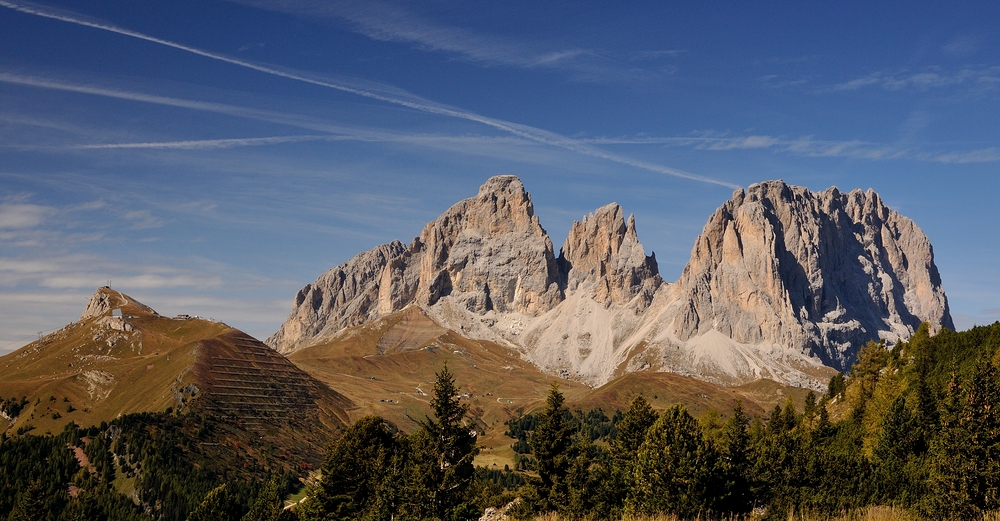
(123, 358)
(89, 371)
(387, 368)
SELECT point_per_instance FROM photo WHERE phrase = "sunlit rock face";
(783, 283)
(822, 272)
(488, 252)
(603, 256)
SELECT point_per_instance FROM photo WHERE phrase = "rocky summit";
(821, 271)
(783, 283)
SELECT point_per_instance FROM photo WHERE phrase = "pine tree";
(895, 444)
(632, 428)
(442, 453)
(360, 474)
(85, 508)
(631, 433)
(29, 506)
(965, 455)
(268, 505)
(217, 506)
(675, 467)
(550, 443)
(735, 462)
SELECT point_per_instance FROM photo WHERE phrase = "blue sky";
(211, 158)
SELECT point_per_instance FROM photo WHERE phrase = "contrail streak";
(373, 91)
(201, 144)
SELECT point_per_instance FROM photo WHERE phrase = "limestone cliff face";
(487, 253)
(819, 272)
(490, 252)
(602, 255)
(347, 295)
(782, 283)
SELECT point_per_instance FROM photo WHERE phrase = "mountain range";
(783, 287)
(783, 284)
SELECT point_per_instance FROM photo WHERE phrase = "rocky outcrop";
(491, 253)
(105, 300)
(486, 253)
(818, 272)
(603, 257)
(344, 296)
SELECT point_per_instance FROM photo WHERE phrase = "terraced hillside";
(122, 357)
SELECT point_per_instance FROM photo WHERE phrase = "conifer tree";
(29, 506)
(631, 433)
(268, 506)
(895, 444)
(632, 428)
(675, 468)
(360, 474)
(217, 506)
(85, 508)
(550, 443)
(734, 462)
(442, 453)
(965, 456)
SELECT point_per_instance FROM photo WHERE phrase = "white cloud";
(143, 220)
(807, 146)
(206, 144)
(374, 91)
(962, 45)
(21, 216)
(140, 281)
(973, 78)
(396, 22)
(985, 155)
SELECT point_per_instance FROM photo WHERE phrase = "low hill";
(662, 390)
(122, 357)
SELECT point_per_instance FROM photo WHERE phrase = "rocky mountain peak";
(485, 253)
(783, 283)
(822, 272)
(490, 252)
(602, 254)
(105, 300)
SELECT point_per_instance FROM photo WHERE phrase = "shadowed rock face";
(343, 297)
(780, 281)
(823, 272)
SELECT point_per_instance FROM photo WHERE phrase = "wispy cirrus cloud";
(983, 155)
(399, 23)
(384, 93)
(807, 146)
(20, 216)
(973, 78)
(371, 90)
(90, 271)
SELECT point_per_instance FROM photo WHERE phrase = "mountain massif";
(144, 416)
(783, 283)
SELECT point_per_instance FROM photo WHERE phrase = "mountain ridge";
(783, 283)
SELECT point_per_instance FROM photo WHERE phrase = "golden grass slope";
(387, 367)
(104, 366)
